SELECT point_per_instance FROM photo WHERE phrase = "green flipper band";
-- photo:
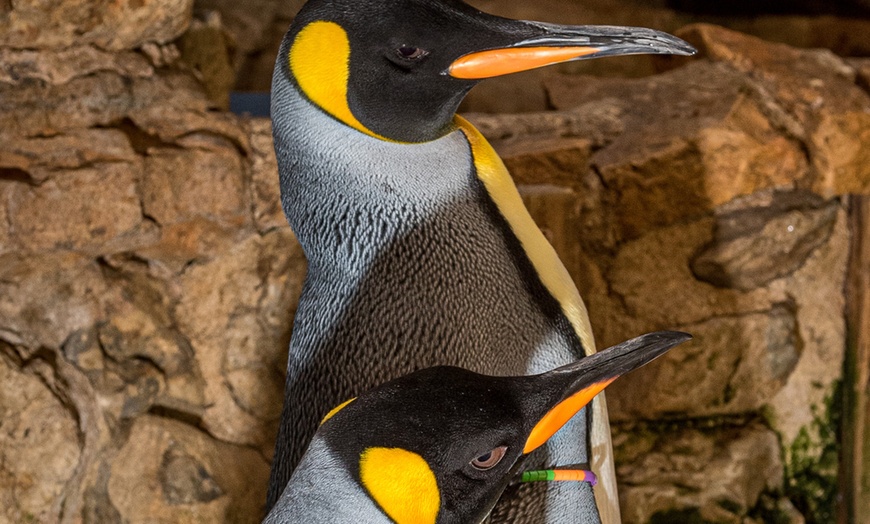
(560, 475)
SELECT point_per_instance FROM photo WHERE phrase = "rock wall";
(705, 198)
(148, 278)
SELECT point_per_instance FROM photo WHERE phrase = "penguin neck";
(321, 490)
(347, 195)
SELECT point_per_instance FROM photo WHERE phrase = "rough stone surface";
(112, 25)
(124, 200)
(234, 311)
(711, 476)
(170, 472)
(39, 445)
(755, 246)
(812, 89)
(148, 278)
(268, 213)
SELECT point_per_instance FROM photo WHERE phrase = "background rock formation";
(148, 278)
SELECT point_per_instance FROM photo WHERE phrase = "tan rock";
(680, 155)
(111, 25)
(180, 185)
(166, 109)
(46, 110)
(78, 209)
(812, 88)
(862, 69)
(247, 24)
(181, 243)
(822, 331)
(546, 160)
(170, 472)
(555, 211)
(5, 236)
(733, 365)
(599, 122)
(236, 311)
(40, 157)
(63, 65)
(757, 245)
(715, 475)
(802, 81)
(156, 363)
(175, 109)
(265, 189)
(39, 447)
(653, 279)
(841, 155)
(204, 49)
(518, 93)
(45, 298)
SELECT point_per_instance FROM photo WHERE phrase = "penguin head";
(398, 69)
(441, 444)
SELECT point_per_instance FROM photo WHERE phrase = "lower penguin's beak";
(564, 391)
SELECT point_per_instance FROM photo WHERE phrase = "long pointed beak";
(559, 43)
(581, 381)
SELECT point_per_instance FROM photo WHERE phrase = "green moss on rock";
(812, 462)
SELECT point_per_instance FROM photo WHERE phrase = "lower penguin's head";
(440, 445)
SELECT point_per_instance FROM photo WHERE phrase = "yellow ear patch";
(320, 62)
(402, 484)
(336, 409)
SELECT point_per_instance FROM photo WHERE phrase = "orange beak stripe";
(497, 62)
(561, 414)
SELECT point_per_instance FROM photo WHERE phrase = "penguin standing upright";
(440, 445)
(420, 251)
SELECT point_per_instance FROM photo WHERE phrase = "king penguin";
(440, 445)
(420, 250)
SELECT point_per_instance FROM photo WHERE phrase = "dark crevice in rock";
(218, 139)
(163, 410)
(784, 343)
(140, 140)
(12, 174)
(679, 516)
(596, 170)
(98, 507)
(668, 424)
(863, 79)
(780, 118)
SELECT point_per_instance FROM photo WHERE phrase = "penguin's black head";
(440, 445)
(398, 69)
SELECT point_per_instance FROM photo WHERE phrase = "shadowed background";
(148, 277)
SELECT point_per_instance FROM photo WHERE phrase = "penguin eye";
(490, 459)
(411, 53)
